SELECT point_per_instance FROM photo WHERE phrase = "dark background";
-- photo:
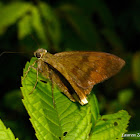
(65, 25)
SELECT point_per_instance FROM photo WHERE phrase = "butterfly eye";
(38, 55)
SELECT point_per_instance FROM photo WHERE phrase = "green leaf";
(54, 120)
(6, 134)
(43, 21)
(110, 127)
(37, 25)
(129, 93)
(51, 23)
(10, 13)
(24, 27)
(94, 107)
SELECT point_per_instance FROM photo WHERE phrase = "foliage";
(57, 26)
(6, 134)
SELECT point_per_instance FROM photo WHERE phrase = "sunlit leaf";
(123, 94)
(51, 23)
(10, 13)
(110, 127)
(6, 134)
(24, 26)
(37, 25)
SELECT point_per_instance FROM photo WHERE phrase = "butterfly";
(76, 72)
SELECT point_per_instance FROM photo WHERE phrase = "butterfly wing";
(85, 69)
(90, 68)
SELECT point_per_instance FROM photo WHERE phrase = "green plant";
(83, 122)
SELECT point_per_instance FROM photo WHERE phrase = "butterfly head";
(40, 52)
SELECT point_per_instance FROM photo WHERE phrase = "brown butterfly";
(76, 72)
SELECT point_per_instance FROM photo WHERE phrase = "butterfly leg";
(31, 66)
(36, 80)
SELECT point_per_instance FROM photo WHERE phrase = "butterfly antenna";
(9, 52)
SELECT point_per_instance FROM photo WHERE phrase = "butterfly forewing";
(89, 68)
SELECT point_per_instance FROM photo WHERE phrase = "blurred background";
(67, 25)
